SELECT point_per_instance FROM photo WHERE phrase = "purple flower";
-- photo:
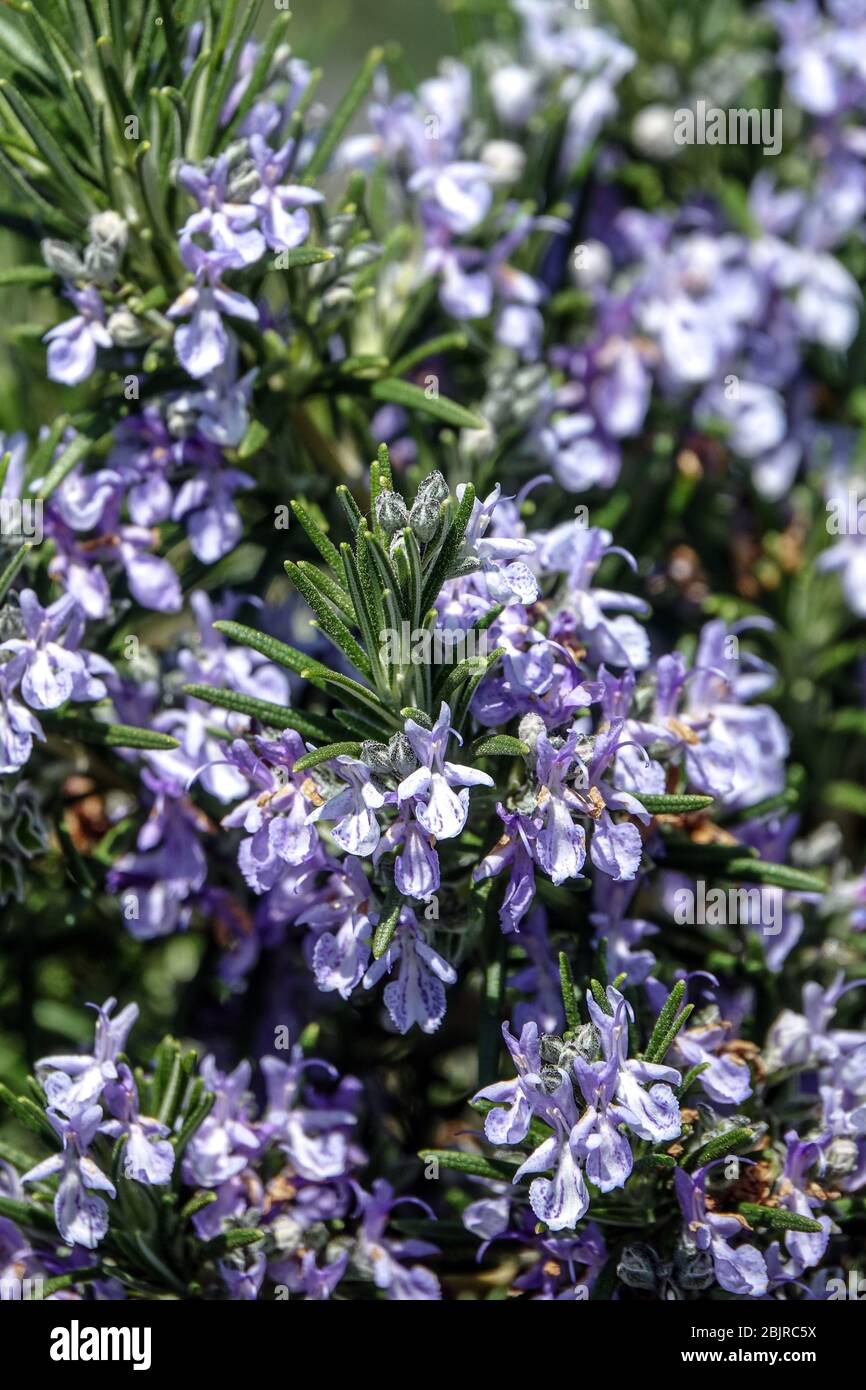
(507, 577)
(281, 207)
(652, 1114)
(418, 994)
(54, 669)
(74, 1082)
(203, 344)
(228, 224)
(224, 1144)
(805, 1248)
(516, 850)
(314, 1138)
(740, 1271)
(148, 1157)
(73, 344)
(435, 805)
(276, 815)
(385, 1256)
(81, 1220)
(18, 726)
(353, 810)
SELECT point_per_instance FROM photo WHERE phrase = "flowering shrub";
(543, 725)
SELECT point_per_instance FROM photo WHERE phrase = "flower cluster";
(552, 712)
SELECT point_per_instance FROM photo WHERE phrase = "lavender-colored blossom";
(81, 1219)
(73, 345)
(418, 994)
(739, 1270)
(55, 669)
(74, 1082)
(148, 1157)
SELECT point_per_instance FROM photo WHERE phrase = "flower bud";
(504, 161)
(424, 519)
(551, 1046)
(529, 730)
(62, 258)
(637, 1266)
(433, 488)
(180, 417)
(403, 760)
(109, 229)
(126, 330)
(101, 262)
(375, 755)
(244, 181)
(841, 1157)
(391, 512)
(693, 1269)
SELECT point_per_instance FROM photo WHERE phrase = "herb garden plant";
(431, 658)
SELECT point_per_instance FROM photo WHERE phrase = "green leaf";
(666, 1017)
(690, 1078)
(446, 342)
(237, 1239)
(386, 927)
(403, 393)
(109, 735)
(844, 721)
(26, 275)
(274, 716)
(712, 856)
(501, 746)
(196, 1203)
(278, 652)
(327, 586)
(846, 796)
(50, 152)
(28, 1114)
(28, 1214)
(350, 507)
(459, 1162)
(324, 755)
(66, 1281)
(778, 1219)
(365, 618)
(195, 1118)
(326, 548)
(672, 805)
(419, 715)
(300, 256)
(450, 549)
(657, 1161)
(777, 875)
(256, 438)
(7, 576)
(569, 997)
(343, 116)
(668, 1040)
(600, 997)
(732, 1141)
(332, 625)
